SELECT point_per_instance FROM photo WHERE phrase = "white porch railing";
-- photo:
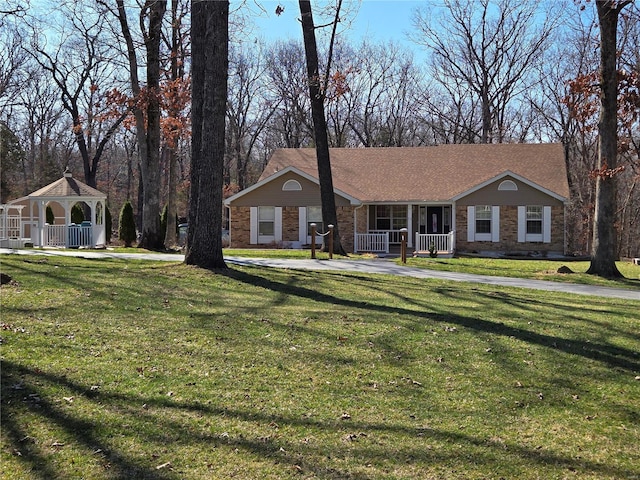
(372, 242)
(10, 226)
(442, 242)
(68, 236)
(394, 235)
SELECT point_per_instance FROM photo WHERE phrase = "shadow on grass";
(611, 355)
(170, 418)
(26, 393)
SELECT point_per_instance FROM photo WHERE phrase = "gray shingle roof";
(398, 174)
(67, 186)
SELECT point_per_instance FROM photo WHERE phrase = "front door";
(434, 220)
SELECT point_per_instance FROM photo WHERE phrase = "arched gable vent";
(291, 186)
(508, 185)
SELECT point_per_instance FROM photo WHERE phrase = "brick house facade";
(465, 198)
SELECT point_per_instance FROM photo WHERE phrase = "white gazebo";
(67, 192)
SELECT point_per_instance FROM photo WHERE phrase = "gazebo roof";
(67, 187)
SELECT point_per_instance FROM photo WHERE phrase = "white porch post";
(453, 226)
(67, 222)
(103, 223)
(453, 216)
(410, 225)
(67, 213)
(41, 222)
(94, 223)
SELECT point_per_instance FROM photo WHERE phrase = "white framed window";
(266, 221)
(446, 219)
(534, 219)
(483, 223)
(390, 217)
(508, 186)
(265, 224)
(534, 223)
(291, 186)
(483, 220)
(314, 215)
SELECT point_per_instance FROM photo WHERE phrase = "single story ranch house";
(505, 198)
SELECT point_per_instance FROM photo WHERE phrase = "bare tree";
(629, 142)
(174, 122)
(151, 238)
(210, 69)
(79, 67)
(317, 90)
(12, 61)
(249, 110)
(604, 251)
(291, 125)
(552, 103)
(12, 8)
(11, 155)
(146, 109)
(44, 128)
(488, 46)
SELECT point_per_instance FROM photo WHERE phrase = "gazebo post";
(41, 223)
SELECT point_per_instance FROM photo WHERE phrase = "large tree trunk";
(210, 69)
(150, 171)
(170, 239)
(327, 196)
(604, 252)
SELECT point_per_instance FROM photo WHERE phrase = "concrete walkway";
(375, 266)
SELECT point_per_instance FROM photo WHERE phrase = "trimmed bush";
(108, 223)
(51, 219)
(77, 214)
(127, 228)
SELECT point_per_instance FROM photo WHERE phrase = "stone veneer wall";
(362, 215)
(345, 220)
(289, 225)
(509, 233)
(240, 226)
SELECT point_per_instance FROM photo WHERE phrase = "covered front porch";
(430, 228)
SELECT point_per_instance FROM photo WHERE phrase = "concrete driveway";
(374, 266)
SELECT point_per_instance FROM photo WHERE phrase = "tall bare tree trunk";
(327, 196)
(170, 239)
(210, 69)
(150, 164)
(604, 252)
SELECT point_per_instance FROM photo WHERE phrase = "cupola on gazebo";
(67, 192)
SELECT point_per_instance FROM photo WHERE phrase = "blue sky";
(379, 20)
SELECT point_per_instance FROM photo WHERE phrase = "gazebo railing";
(55, 236)
(10, 226)
(68, 236)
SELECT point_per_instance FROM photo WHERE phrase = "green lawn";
(131, 369)
(534, 269)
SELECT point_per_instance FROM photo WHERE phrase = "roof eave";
(352, 200)
(509, 173)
